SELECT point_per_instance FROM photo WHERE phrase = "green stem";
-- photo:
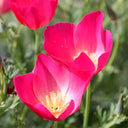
(87, 108)
(100, 76)
(2, 84)
(36, 42)
(23, 113)
(15, 55)
(55, 124)
(116, 45)
(22, 116)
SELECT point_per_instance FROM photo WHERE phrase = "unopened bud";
(120, 105)
(10, 90)
(111, 13)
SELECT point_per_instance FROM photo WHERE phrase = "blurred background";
(109, 99)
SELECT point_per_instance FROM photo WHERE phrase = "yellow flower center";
(55, 103)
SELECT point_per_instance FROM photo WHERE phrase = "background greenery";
(109, 99)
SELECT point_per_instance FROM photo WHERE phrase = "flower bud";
(111, 13)
(34, 13)
(120, 105)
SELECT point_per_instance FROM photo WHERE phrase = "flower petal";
(43, 81)
(108, 47)
(82, 63)
(108, 41)
(38, 17)
(77, 87)
(50, 76)
(102, 61)
(59, 41)
(4, 6)
(68, 111)
(19, 12)
(88, 33)
(24, 88)
(45, 114)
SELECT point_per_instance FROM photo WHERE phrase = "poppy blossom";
(51, 90)
(4, 6)
(34, 13)
(85, 47)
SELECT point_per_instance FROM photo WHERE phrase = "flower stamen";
(55, 103)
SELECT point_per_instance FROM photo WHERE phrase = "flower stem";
(114, 49)
(2, 84)
(22, 116)
(24, 113)
(100, 76)
(36, 42)
(87, 108)
(55, 124)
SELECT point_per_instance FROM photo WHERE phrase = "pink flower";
(85, 47)
(51, 90)
(4, 6)
(34, 13)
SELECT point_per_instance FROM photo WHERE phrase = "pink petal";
(43, 81)
(77, 87)
(38, 17)
(67, 112)
(23, 2)
(108, 41)
(4, 6)
(88, 33)
(59, 41)
(82, 63)
(108, 47)
(24, 88)
(50, 75)
(18, 11)
(45, 114)
(102, 61)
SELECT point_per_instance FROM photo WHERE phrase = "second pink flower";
(83, 48)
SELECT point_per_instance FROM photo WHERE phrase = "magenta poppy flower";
(51, 90)
(34, 13)
(84, 47)
(4, 6)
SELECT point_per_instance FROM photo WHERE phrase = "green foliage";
(116, 114)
